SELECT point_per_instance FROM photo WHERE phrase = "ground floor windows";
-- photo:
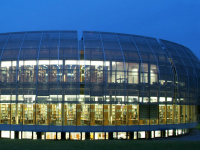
(135, 135)
(91, 135)
(141, 134)
(157, 133)
(100, 135)
(53, 135)
(5, 134)
(27, 135)
(75, 136)
(121, 135)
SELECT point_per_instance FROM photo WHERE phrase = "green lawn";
(103, 145)
(198, 127)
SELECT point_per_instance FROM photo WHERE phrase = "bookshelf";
(162, 114)
(78, 114)
(55, 114)
(28, 114)
(5, 113)
(92, 114)
(105, 114)
(19, 113)
(71, 114)
(13, 113)
(84, 111)
(124, 115)
(135, 115)
(129, 115)
(118, 114)
(113, 114)
(99, 114)
(52, 109)
(41, 114)
(169, 114)
(65, 112)
(182, 114)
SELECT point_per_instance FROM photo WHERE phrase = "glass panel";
(55, 67)
(177, 114)
(8, 71)
(107, 114)
(71, 73)
(43, 71)
(153, 74)
(85, 114)
(144, 73)
(162, 114)
(70, 114)
(75, 135)
(187, 114)
(99, 135)
(96, 71)
(55, 114)
(5, 113)
(50, 135)
(132, 114)
(98, 114)
(133, 73)
(170, 114)
(182, 113)
(41, 114)
(29, 115)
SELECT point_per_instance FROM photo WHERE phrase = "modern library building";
(54, 85)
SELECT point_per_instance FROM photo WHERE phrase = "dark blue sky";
(174, 20)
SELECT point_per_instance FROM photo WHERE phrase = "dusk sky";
(173, 20)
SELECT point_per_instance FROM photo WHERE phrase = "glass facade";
(51, 78)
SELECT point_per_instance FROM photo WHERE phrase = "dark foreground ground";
(190, 141)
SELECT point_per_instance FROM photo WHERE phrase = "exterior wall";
(107, 82)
